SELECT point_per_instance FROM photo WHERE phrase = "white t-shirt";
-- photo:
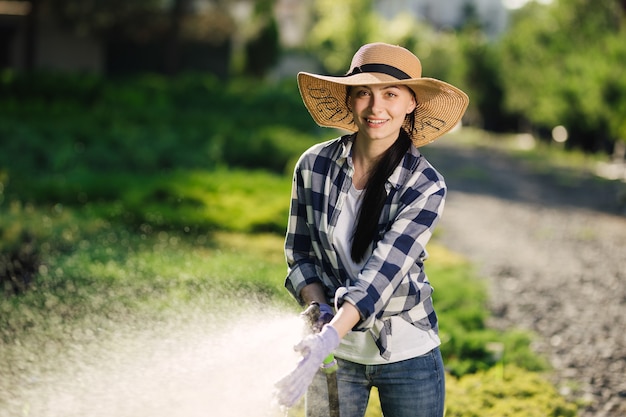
(408, 340)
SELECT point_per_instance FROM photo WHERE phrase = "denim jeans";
(410, 388)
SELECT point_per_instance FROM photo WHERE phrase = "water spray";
(192, 362)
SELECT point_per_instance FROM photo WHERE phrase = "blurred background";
(528, 66)
(146, 152)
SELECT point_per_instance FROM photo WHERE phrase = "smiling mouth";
(375, 122)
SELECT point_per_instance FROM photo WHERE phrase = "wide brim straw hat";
(440, 106)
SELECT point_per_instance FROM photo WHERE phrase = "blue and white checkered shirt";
(393, 281)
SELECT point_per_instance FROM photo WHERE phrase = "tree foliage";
(262, 48)
(562, 65)
(557, 64)
(340, 29)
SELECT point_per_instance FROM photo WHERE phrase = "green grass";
(235, 200)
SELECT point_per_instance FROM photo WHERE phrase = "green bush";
(229, 200)
(241, 201)
(147, 124)
(505, 392)
(460, 299)
(120, 145)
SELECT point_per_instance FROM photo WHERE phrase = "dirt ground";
(551, 244)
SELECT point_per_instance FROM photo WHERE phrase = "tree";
(172, 56)
(169, 31)
(483, 81)
(560, 66)
(100, 17)
(30, 44)
(340, 28)
(614, 91)
(262, 49)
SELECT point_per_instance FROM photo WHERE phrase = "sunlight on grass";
(504, 392)
(268, 246)
(442, 257)
(238, 201)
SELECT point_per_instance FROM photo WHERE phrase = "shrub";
(505, 392)
(460, 299)
(52, 124)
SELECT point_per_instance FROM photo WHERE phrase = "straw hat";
(440, 105)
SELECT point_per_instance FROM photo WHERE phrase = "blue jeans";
(411, 388)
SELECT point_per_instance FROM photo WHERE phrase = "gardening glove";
(326, 315)
(317, 315)
(314, 348)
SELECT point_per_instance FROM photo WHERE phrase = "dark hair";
(375, 194)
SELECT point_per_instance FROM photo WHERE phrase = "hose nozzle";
(311, 317)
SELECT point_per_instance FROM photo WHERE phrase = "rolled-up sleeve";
(318, 179)
(299, 252)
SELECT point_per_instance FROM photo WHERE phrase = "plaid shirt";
(393, 281)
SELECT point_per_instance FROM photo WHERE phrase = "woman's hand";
(314, 349)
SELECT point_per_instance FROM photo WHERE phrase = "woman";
(362, 211)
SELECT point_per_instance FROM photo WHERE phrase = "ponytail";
(375, 195)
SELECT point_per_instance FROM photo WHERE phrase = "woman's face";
(379, 111)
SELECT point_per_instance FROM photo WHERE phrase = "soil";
(551, 243)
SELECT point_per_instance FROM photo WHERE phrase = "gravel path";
(552, 246)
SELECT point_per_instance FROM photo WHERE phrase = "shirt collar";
(399, 176)
(346, 147)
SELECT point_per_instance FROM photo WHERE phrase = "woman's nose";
(375, 103)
